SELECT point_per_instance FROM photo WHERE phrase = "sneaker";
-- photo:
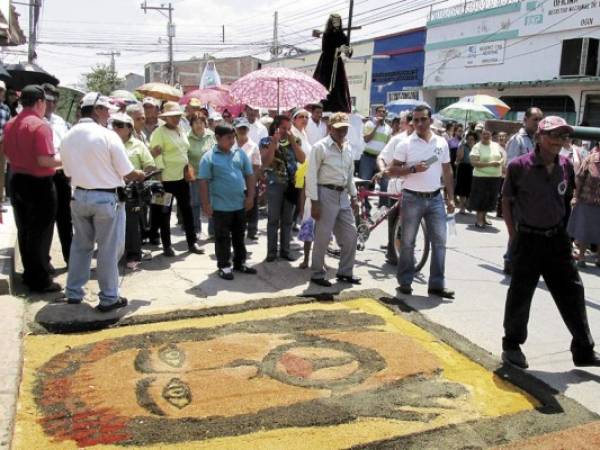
(226, 273)
(120, 303)
(146, 256)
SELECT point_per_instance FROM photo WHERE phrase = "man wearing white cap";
(95, 159)
(330, 187)
(151, 111)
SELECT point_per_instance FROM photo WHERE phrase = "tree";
(103, 79)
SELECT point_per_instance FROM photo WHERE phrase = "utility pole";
(112, 55)
(275, 47)
(170, 34)
(33, 18)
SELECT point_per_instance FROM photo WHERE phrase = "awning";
(516, 84)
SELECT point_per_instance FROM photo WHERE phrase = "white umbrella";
(466, 111)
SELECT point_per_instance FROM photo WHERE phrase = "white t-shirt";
(315, 132)
(304, 143)
(413, 150)
(94, 157)
(257, 132)
(252, 151)
(59, 130)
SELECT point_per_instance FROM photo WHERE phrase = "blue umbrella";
(397, 106)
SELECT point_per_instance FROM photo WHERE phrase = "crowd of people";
(302, 164)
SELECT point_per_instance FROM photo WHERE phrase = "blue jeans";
(196, 205)
(414, 209)
(98, 217)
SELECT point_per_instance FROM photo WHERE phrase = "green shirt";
(174, 156)
(486, 154)
(199, 146)
(138, 154)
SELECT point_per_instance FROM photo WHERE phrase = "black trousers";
(229, 229)
(34, 205)
(64, 224)
(161, 217)
(550, 257)
(252, 216)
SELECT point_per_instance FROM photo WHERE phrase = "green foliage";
(103, 79)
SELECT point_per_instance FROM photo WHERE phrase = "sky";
(72, 32)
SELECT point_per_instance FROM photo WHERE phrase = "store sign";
(408, 94)
(484, 54)
(540, 17)
(397, 75)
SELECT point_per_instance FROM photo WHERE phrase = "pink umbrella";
(215, 96)
(277, 88)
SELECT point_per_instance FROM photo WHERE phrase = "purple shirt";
(539, 198)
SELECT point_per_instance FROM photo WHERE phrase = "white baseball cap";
(2, 85)
(121, 117)
(151, 101)
(97, 99)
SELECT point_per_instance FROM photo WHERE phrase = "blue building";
(398, 64)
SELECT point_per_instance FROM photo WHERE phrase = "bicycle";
(366, 225)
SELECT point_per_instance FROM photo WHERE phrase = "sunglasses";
(121, 125)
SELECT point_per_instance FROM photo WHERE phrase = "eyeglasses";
(121, 125)
(558, 135)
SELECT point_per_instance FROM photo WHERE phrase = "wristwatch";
(413, 169)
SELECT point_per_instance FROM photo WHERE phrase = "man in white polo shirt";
(424, 159)
(377, 134)
(95, 160)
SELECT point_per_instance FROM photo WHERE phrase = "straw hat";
(171, 109)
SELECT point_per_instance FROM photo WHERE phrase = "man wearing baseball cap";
(96, 161)
(331, 189)
(151, 111)
(30, 151)
(534, 207)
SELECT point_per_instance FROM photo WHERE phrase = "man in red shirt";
(29, 148)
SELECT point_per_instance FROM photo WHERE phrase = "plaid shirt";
(4, 117)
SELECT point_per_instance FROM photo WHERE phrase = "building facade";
(527, 53)
(398, 65)
(188, 73)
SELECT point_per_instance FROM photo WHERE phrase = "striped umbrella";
(466, 112)
(495, 105)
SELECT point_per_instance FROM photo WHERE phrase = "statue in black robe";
(330, 71)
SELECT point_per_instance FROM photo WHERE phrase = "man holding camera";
(96, 161)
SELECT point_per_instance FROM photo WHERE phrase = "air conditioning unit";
(579, 58)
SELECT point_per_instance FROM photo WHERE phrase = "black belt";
(371, 155)
(111, 190)
(333, 187)
(423, 194)
(546, 232)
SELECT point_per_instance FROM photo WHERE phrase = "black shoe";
(226, 273)
(74, 301)
(288, 257)
(195, 249)
(348, 279)
(321, 282)
(245, 269)
(405, 289)
(120, 303)
(444, 293)
(515, 357)
(168, 252)
(271, 258)
(52, 287)
(253, 237)
(591, 359)
(154, 241)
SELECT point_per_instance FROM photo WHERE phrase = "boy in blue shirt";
(227, 192)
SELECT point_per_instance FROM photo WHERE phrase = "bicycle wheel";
(422, 244)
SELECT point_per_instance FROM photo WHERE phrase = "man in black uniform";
(533, 198)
